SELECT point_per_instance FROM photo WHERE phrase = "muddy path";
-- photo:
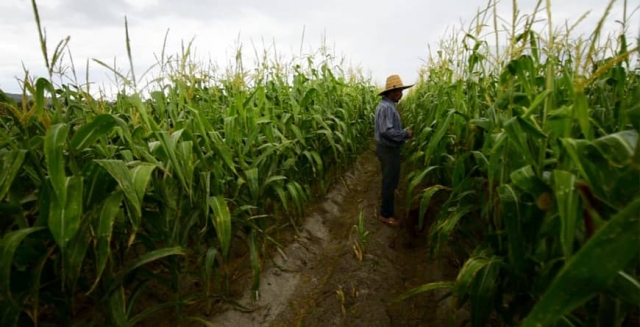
(320, 280)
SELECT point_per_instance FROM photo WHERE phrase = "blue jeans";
(390, 164)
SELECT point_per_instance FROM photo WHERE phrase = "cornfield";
(104, 203)
(535, 146)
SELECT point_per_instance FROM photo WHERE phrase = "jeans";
(390, 163)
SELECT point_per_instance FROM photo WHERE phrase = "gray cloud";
(384, 37)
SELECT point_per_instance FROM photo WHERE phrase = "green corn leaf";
(318, 160)
(482, 292)
(168, 143)
(104, 231)
(297, 196)
(445, 228)
(74, 257)
(251, 176)
(567, 200)
(625, 287)
(282, 196)
(255, 263)
(511, 217)
(468, 273)
(581, 113)
(209, 263)
(153, 256)
(117, 308)
(415, 181)
(64, 217)
(426, 199)
(576, 149)
(531, 128)
(205, 178)
(591, 269)
(89, 133)
(140, 177)
(221, 220)
(273, 179)
(11, 162)
(42, 85)
(119, 171)
(425, 288)
(53, 152)
(526, 180)
(223, 151)
(308, 97)
(484, 123)
(435, 141)
(536, 102)
(617, 148)
(8, 245)
(518, 138)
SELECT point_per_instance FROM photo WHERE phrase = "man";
(390, 137)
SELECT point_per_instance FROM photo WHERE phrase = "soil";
(317, 279)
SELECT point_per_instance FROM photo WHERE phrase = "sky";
(378, 37)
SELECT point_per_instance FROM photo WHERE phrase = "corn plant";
(537, 146)
(107, 202)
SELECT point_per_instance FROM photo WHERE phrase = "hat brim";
(396, 88)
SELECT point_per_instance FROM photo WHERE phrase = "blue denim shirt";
(388, 126)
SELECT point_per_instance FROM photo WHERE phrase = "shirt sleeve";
(387, 131)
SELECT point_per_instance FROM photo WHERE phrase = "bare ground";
(318, 280)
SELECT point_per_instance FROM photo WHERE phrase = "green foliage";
(539, 146)
(107, 203)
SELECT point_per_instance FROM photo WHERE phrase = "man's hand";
(409, 133)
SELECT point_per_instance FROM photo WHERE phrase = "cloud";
(382, 37)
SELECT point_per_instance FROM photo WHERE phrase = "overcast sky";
(381, 37)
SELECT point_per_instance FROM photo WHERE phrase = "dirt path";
(321, 282)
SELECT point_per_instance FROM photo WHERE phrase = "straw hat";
(394, 82)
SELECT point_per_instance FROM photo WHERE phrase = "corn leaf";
(625, 287)
(426, 288)
(87, 134)
(221, 220)
(11, 162)
(617, 148)
(8, 245)
(53, 152)
(64, 217)
(567, 201)
(104, 231)
(153, 256)
(426, 199)
(591, 269)
(255, 263)
(119, 171)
